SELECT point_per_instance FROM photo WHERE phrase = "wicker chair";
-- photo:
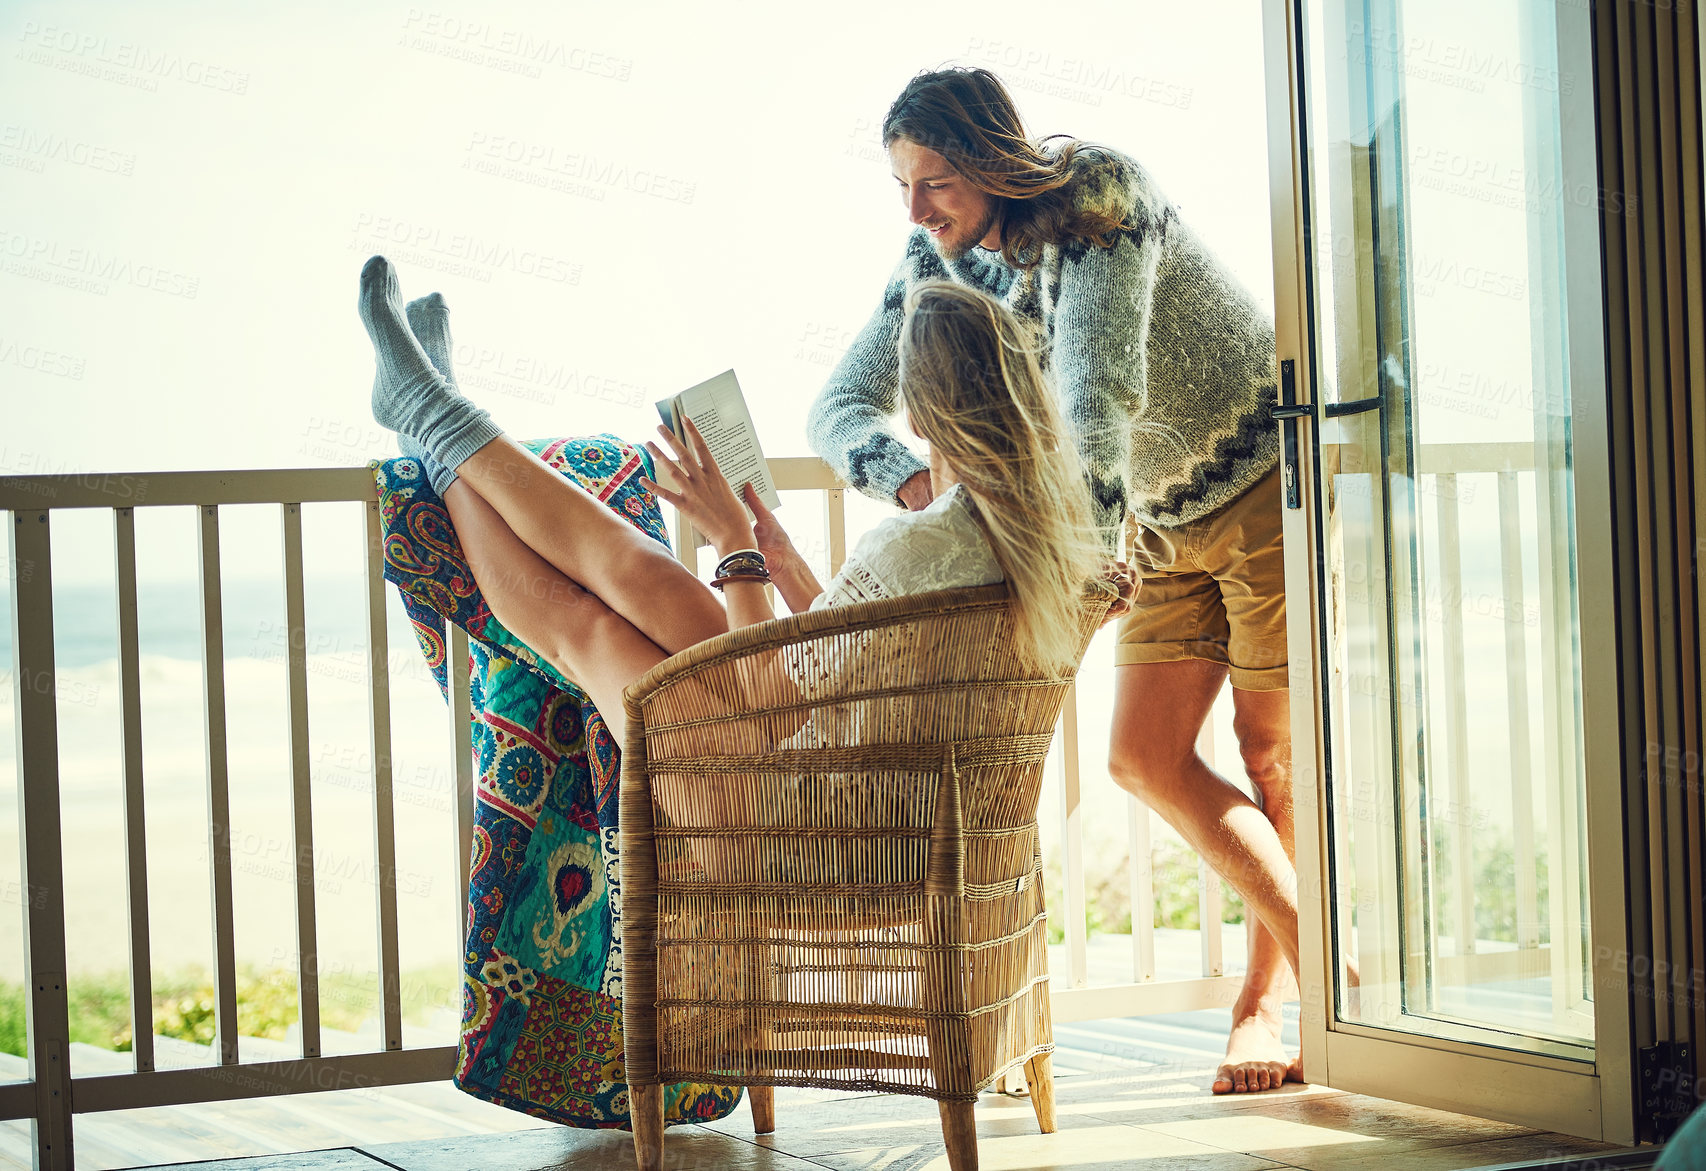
(830, 867)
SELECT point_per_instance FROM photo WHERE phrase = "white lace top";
(936, 548)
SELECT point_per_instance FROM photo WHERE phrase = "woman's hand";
(789, 573)
(702, 495)
(1124, 581)
(768, 534)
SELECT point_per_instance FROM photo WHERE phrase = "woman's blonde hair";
(976, 393)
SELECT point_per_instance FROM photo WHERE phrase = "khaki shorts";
(1213, 589)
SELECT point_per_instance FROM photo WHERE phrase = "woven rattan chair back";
(830, 866)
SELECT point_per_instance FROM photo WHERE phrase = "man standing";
(1166, 367)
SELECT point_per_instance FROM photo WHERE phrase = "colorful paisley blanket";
(542, 975)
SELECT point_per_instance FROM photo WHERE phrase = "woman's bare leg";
(629, 571)
(634, 575)
(580, 635)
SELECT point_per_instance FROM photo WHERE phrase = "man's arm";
(918, 491)
(851, 424)
(1100, 356)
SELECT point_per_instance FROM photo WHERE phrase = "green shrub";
(1107, 903)
(184, 1005)
(12, 1018)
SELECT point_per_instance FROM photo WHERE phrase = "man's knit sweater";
(1163, 363)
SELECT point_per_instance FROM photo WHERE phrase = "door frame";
(1588, 1099)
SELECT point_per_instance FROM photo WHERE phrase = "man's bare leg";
(1254, 1055)
(1158, 710)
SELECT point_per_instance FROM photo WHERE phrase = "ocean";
(175, 770)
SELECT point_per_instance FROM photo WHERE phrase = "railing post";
(301, 776)
(1516, 697)
(1456, 765)
(135, 822)
(34, 684)
(461, 779)
(1072, 845)
(687, 544)
(835, 527)
(218, 787)
(384, 813)
(1142, 893)
(1209, 912)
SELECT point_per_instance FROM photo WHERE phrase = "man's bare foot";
(1255, 1059)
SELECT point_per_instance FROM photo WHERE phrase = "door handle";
(1331, 410)
(1355, 407)
(1288, 411)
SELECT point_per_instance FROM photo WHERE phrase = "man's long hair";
(971, 383)
(968, 117)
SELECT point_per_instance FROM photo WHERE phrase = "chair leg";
(645, 1112)
(1039, 1079)
(959, 1132)
(762, 982)
(763, 1099)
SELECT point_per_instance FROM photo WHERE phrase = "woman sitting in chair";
(604, 603)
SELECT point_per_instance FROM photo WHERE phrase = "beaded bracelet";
(740, 574)
(741, 565)
(742, 559)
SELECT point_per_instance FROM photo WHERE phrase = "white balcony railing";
(52, 1095)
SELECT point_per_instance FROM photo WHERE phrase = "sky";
(616, 201)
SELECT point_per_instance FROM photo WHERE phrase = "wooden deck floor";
(1132, 1093)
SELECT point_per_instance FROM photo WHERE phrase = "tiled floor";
(1129, 1094)
(1105, 1123)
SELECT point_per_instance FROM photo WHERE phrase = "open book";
(718, 409)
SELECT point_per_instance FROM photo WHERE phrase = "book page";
(718, 408)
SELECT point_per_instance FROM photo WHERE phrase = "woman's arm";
(789, 573)
(704, 496)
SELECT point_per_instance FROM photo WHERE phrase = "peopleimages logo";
(535, 379)
(16, 467)
(39, 147)
(87, 269)
(126, 61)
(1073, 78)
(571, 172)
(1461, 65)
(505, 49)
(457, 253)
(40, 360)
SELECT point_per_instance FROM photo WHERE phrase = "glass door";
(1434, 415)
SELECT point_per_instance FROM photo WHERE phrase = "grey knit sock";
(409, 395)
(440, 476)
(429, 321)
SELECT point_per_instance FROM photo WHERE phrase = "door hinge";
(1667, 1087)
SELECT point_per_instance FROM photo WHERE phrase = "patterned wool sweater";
(1163, 362)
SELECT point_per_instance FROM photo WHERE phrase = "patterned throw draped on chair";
(542, 973)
